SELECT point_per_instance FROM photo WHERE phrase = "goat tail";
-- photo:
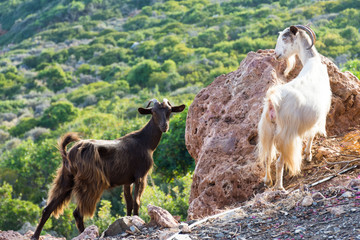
(64, 141)
(266, 131)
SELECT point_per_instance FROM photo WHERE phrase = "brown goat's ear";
(293, 30)
(144, 110)
(178, 108)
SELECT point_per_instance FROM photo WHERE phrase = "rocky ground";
(332, 212)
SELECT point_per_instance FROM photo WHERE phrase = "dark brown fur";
(91, 166)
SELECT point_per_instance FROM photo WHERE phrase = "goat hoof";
(268, 182)
(308, 157)
(278, 188)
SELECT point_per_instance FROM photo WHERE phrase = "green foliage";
(23, 126)
(353, 66)
(103, 216)
(171, 157)
(14, 211)
(55, 77)
(57, 113)
(140, 73)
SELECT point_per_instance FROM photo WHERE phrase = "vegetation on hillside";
(86, 66)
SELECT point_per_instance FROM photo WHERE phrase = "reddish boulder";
(221, 128)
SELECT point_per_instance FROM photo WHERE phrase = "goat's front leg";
(128, 199)
(279, 173)
(308, 155)
(267, 179)
(140, 185)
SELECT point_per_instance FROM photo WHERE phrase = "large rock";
(221, 128)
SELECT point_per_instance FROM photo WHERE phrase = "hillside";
(86, 66)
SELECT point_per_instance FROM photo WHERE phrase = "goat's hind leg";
(308, 154)
(128, 199)
(46, 213)
(79, 220)
(267, 179)
(279, 173)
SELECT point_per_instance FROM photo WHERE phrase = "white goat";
(294, 110)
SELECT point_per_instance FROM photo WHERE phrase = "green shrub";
(57, 113)
(55, 77)
(23, 126)
(15, 212)
(140, 73)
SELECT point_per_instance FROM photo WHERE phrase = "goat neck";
(306, 54)
(150, 135)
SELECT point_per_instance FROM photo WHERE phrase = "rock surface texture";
(221, 128)
(161, 217)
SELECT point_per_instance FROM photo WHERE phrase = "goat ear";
(178, 108)
(144, 110)
(293, 30)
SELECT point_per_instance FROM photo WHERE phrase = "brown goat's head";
(161, 112)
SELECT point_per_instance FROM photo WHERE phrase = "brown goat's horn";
(310, 32)
(152, 101)
(167, 102)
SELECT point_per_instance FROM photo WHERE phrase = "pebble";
(299, 229)
(307, 201)
(219, 235)
(347, 194)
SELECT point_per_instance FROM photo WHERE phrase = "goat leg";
(308, 155)
(79, 219)
(279, 173)
(140, 185)
(267, 179)
(46, 213)
(128, 199)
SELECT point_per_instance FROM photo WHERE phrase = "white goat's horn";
(152, 101)
(311, 33)
(167, 102)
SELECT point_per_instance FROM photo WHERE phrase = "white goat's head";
(293, 39)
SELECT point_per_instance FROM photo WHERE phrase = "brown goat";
(91, 166)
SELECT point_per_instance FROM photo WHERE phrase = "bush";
(23, 126)
(55, 77)
(57, 113)
(140, 73)
(171, 157)
(15, 212)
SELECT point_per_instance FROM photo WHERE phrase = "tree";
(171, 157)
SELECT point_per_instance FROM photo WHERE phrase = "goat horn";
(152, 101)
(310, 32)
(167, 102)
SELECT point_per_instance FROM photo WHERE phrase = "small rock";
(220, 235)
(123, 224)
(337, 211)
(353, 209)
(299, 229)
(91, 232)
(161, 217)
(184, 227)
(307, 201)
(347, 194)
